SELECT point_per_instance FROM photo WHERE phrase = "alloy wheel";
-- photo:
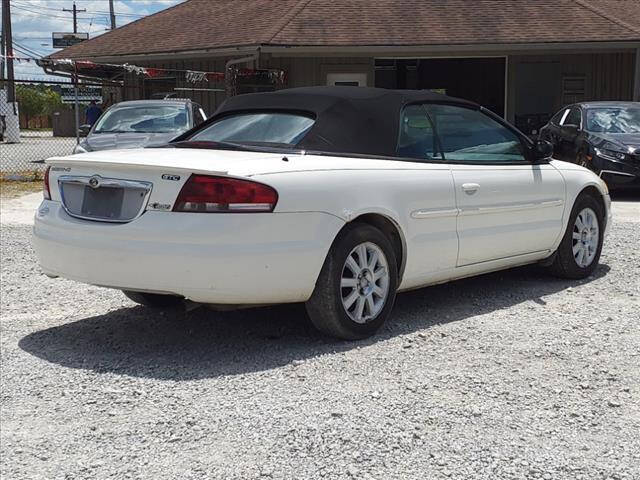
(364, 282)
(586, 236)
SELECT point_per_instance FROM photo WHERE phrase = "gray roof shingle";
(216, 24)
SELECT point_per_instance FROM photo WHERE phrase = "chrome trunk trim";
(96, 181)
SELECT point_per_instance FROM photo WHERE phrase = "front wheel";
(357, 285)
(154, 300)
(579, 251)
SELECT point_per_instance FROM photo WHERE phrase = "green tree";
(37, 100)
(52, 101)
(30, 101)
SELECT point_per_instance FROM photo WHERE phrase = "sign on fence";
(85, 93)
(63, 40)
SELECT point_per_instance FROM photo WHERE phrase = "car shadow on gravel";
(178, 345)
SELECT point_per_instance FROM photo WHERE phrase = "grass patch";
(15, 188)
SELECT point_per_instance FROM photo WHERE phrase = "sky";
(33, 21)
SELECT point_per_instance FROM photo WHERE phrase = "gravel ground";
(512, 375)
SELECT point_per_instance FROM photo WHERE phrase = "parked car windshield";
(144, 119)
(613, 120)
(257, 128)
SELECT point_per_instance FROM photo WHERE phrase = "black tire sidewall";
(566, 259)
(153, 300)
(329, 315)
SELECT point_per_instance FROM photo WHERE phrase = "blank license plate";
(102, 202)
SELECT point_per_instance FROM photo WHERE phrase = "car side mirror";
(543, 149)
(571, 128)
(84, 129)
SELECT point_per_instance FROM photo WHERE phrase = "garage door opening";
(481, 80)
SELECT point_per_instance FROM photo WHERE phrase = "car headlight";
(610, 154)
(79, 148)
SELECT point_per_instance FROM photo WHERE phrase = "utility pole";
(75, 71)
(9, 109)
(75, 16)
(2, 49)
(112, 15)
(8, 48)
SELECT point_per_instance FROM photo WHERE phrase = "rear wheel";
(579, 252)
(154, 300)
(357, 285)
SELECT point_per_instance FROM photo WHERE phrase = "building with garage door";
(523, 59)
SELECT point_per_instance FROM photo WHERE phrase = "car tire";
(578, 254)
(154, 300)
(356, 288)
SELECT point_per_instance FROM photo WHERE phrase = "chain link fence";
(27, 139)
(23, 160)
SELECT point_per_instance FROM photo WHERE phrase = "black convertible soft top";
(356, 120)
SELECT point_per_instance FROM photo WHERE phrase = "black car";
(602, 136)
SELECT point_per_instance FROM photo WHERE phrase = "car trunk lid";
(118, 186)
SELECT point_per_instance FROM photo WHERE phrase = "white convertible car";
(334, 196)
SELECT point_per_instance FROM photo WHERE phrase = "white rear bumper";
(208, 258)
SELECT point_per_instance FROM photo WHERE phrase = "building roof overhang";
(381, 51)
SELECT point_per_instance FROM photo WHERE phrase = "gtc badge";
(94, 182)
(166, 176)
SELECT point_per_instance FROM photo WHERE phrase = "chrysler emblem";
(94, 182)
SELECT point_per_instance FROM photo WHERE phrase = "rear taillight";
(46, 191)
(209, 194)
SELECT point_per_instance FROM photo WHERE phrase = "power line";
(31, 51)
(43, 14)
(21, 51)
(17, 46)
(101, 12)
(16, 3)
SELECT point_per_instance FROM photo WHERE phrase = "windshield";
(613, 120)
(144, 119)
(257, 129)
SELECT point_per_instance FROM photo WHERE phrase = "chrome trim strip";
(512, 208)
(433, 213)
(105, 182)
(616, 173)
(108, 183)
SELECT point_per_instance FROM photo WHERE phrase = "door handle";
(470, 187)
